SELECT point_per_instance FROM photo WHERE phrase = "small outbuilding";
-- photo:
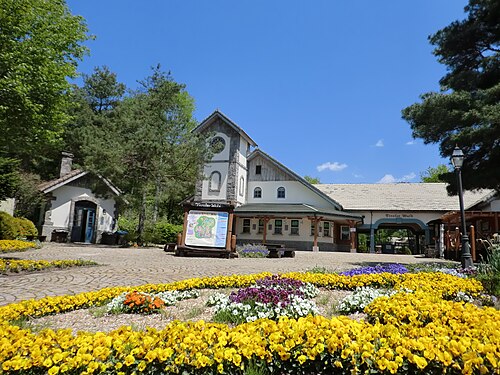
(79, 205)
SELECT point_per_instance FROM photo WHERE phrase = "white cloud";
(390, 179)
(410, 143)
(357, 175)
(335, 166)
(380, 143)
(408, 177)
(387, 179)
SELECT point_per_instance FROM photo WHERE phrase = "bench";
(280, 251)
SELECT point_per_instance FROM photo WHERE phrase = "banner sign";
(206, 228)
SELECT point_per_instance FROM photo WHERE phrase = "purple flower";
(380, 268)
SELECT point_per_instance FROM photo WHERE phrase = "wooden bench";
(280, 251)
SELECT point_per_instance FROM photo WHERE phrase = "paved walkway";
(137, 266)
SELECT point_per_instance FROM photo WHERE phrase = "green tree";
(9, 177)
(312, 180)
(149, 149)
(40, 45)
(93, 106)
(434, 174)
(467, 110)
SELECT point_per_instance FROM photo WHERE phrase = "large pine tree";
(466, 112)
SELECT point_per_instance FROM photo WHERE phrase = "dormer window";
(258, 169)
(215, 181)
(281, 192)
(257, 192)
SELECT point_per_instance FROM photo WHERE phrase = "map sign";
(206, 228)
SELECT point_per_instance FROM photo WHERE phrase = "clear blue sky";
(319, 85)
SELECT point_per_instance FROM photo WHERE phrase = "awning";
(298, 210)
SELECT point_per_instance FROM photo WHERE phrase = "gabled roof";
(400, 196)
(48, 186)
(218, 114)
(259, 152)
(293, 209)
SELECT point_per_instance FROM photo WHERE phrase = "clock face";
(217, 144)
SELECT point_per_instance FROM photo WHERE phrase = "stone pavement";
(137, 266)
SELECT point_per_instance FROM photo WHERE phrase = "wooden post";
(473, 242)
(352, 235)
(184, 229)
(315, 241)
(229, 231)
(264, 234)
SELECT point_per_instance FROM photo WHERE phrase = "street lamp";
(457, 159)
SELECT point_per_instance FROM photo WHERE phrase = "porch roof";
(294, 209)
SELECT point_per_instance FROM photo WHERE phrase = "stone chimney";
(66, 163)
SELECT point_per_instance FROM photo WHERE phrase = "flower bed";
(408, 332)
(13, 265)
(10, 246)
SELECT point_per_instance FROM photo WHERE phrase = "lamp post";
(457, 159)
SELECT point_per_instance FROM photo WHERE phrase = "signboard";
(206, 228)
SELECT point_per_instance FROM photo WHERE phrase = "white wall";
(242, 153)
(304, 232)
(242, 172)
(424, 216)
(295, 192)
(224, 154)
(8, 205)
(61, 206)
(222, 168)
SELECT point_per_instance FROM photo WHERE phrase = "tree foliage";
(467, 110)
(147, 146)
(40, 45)
(312, 180)
(9, 177)
(434, 174)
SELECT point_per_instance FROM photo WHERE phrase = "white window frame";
(259, 191)
(281, 191)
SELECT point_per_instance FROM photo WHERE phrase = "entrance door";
(83, 222)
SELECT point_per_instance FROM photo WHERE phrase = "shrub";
(26, 227)
(165, 232)
(9, 228)
(489, 272)
(252, 251)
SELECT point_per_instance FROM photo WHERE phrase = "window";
(313, 227)
(258, 169)
(261, 226)
(217, 145)
(326, 229)
(246, 226)
(294, 228)
(278, 226)
(281, 192)
(345, 233)
(257, 192)
(242, 186)
(214, 183)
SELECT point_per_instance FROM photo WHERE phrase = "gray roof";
(207, 121)
(400, 196)
(75, 174)
(293, 209)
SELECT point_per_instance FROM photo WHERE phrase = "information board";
(206, 228)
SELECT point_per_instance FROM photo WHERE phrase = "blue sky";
(319, 85)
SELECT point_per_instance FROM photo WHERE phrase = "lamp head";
(457, 158)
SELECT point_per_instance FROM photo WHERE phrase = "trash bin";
(60, 236)
(387, 248)
(120, 237)
(108, 238)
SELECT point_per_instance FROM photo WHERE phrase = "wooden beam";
(184, 229)
(473, 242)
(229, 231)
(264, 234)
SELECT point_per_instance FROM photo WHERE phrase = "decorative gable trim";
(218, 114)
